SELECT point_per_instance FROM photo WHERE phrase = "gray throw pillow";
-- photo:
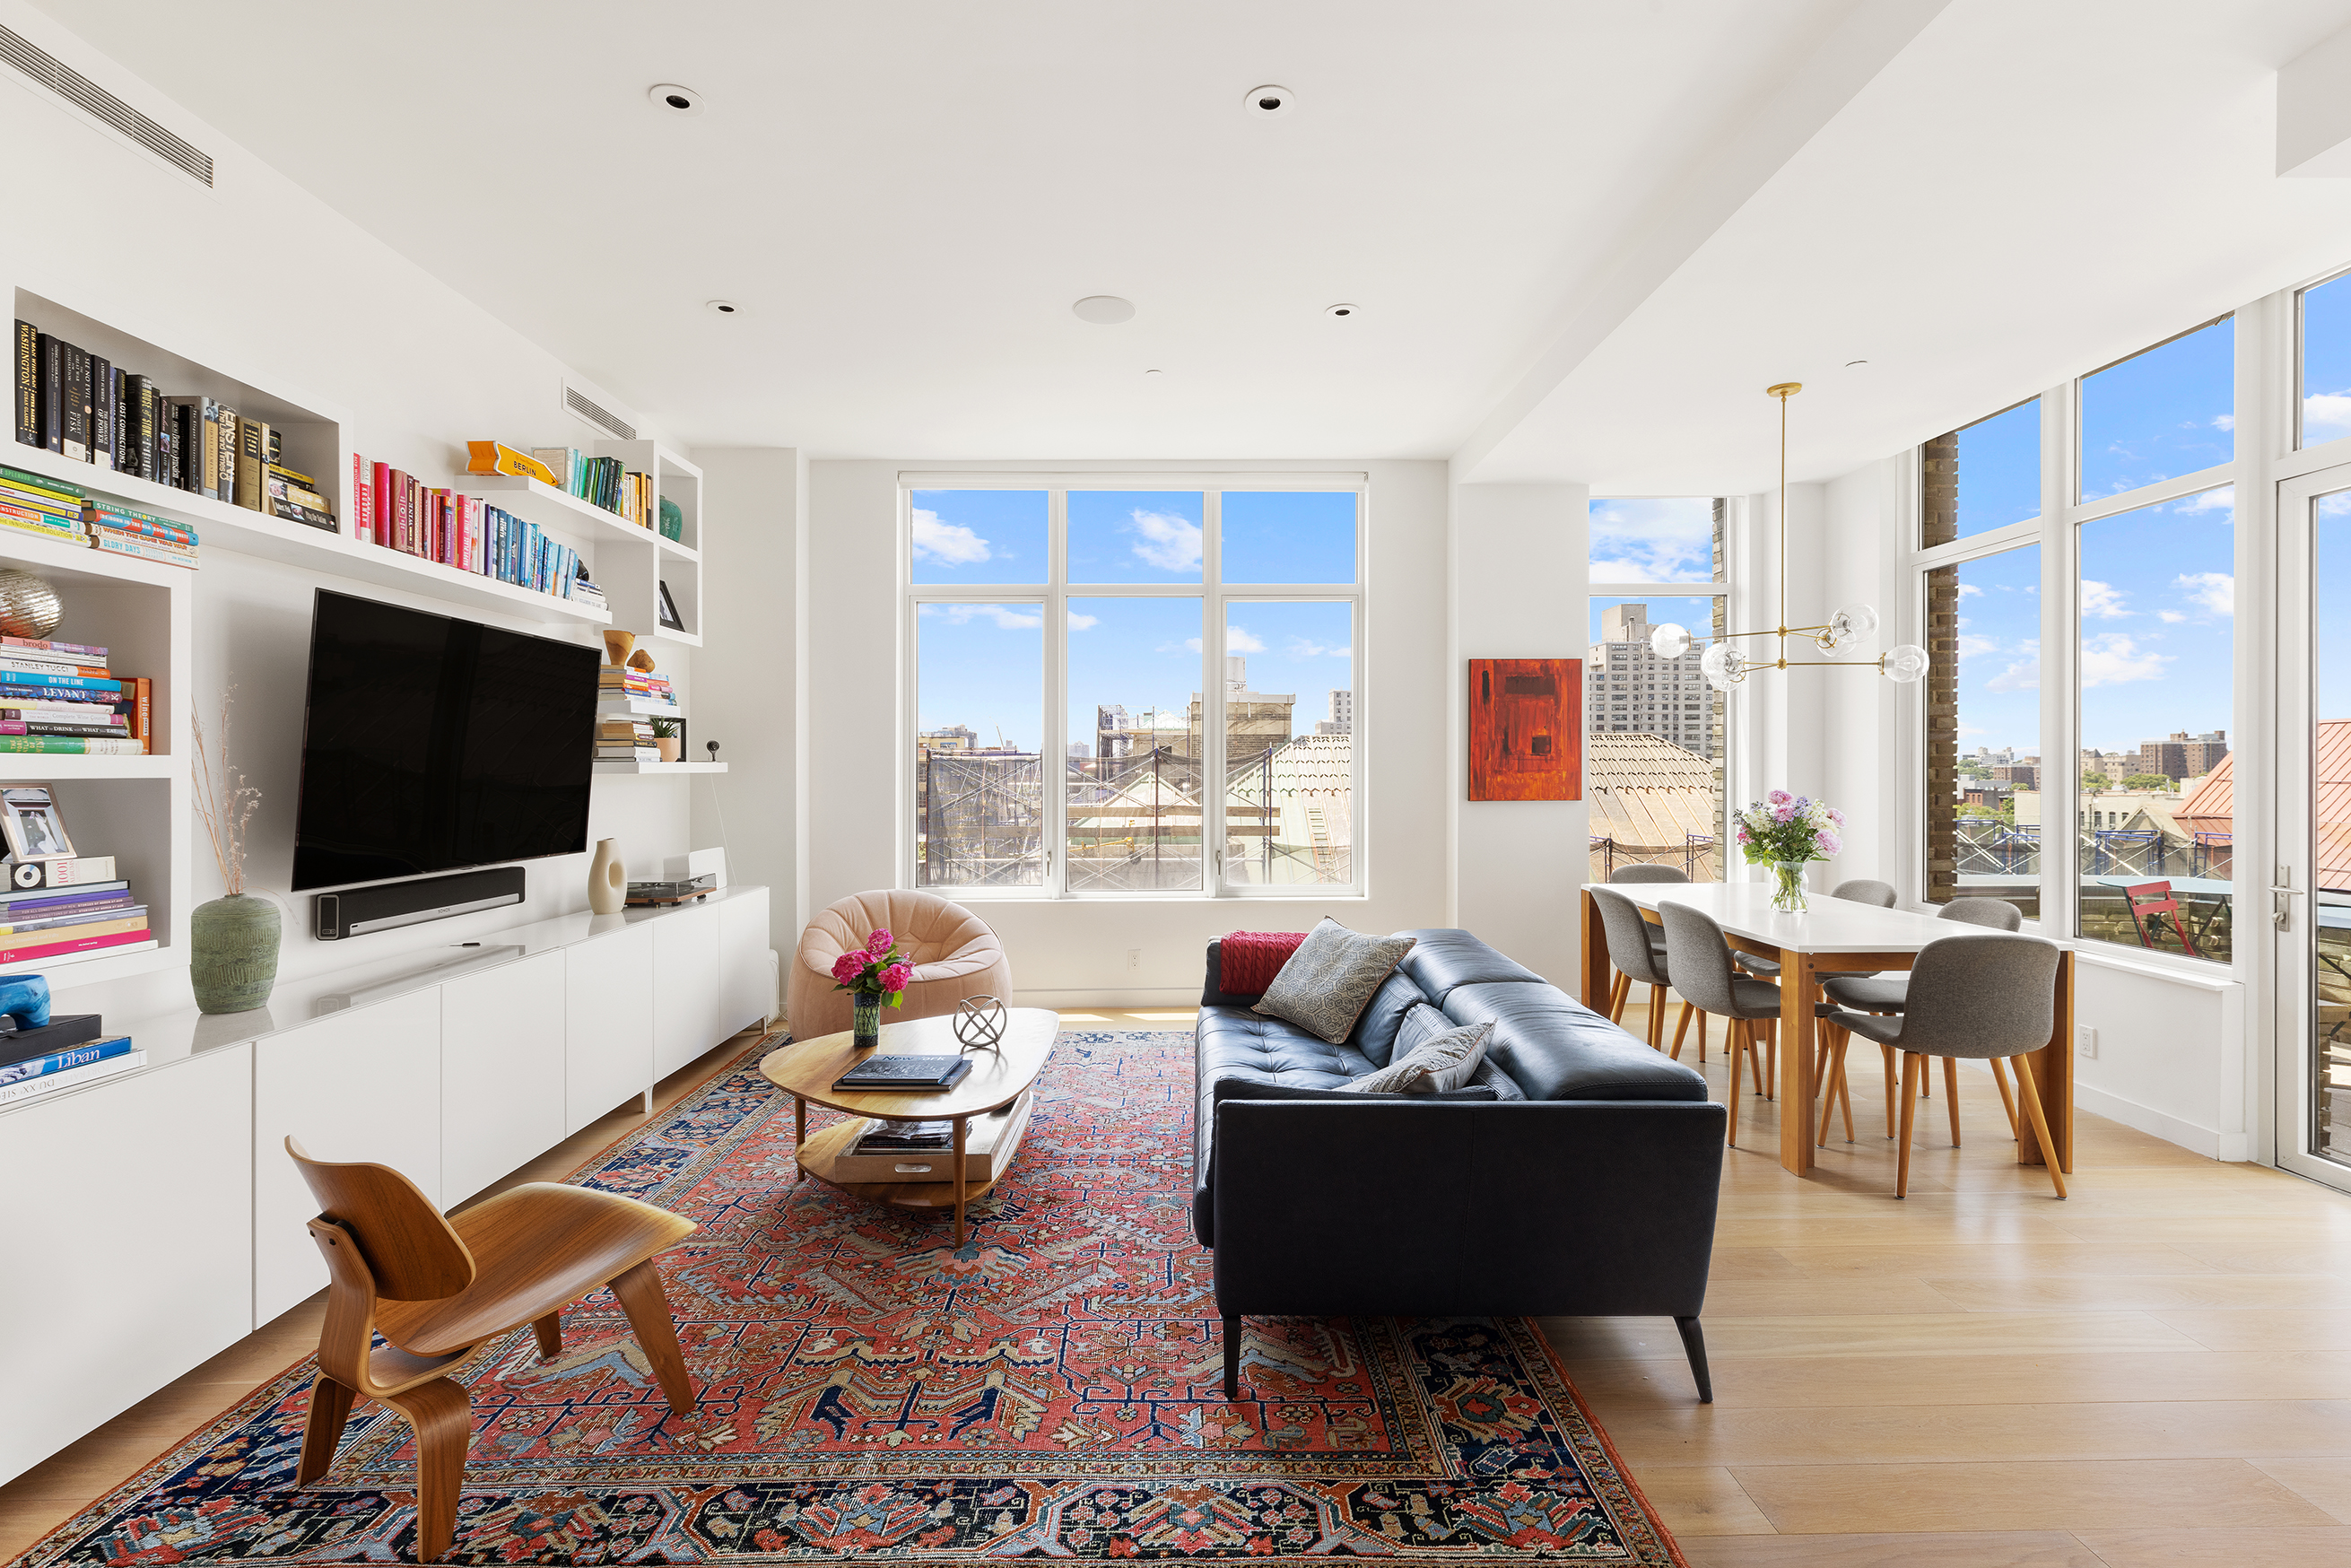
(1324, 987)
(1439, 1066)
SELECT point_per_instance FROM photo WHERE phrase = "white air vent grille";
(92, 99)
(597, 415)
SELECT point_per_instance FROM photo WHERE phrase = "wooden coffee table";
(806, 1069)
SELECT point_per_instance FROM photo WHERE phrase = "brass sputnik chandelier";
(1725, 667)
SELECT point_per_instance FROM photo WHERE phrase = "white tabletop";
(1829, 925)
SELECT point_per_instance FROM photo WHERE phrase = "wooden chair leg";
(1739, 1033)
(2031, 1098)
(1829, 1098)
(443, 1420)
(641, 1296)
(1951, 1095)
(330, 1406)
(1702, 1040)
(1844, 1089)
(1772, 1076)
(1914, 1067)
(549, 1329)
(2007, 1101)
(1618, 995)
(1888, 1051)
(1658, 1018)
(1682, 1027)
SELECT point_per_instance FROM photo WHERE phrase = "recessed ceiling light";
(1105, 309)
(1342, 311)
(725, 307)
(672, 99)
(1268, 102)
(1854, 364)
(1153, 375)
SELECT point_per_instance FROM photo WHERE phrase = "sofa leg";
(1233, 1358)
(1694, 1341)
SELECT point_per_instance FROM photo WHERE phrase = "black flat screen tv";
(430, 744)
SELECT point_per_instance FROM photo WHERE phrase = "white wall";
(1075, 951)
(260, 280)
(1520, 561)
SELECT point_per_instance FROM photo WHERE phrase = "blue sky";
(2168, 412)
(1667, 539)
(982, 665)
(2327, 361)
(2000, 651)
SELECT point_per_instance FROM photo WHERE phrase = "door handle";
(2281, 911)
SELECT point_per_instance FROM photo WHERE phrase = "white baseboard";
(2206, 1141)
(1077, 1000)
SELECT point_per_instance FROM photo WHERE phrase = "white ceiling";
(1584, 233)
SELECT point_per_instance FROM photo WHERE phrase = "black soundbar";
(362, 910)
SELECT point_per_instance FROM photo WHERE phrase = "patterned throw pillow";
(1324, 987)
(1439, 1066)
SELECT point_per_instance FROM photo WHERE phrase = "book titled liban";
(73, 1077)
(65, 1060)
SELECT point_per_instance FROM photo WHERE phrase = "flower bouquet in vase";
(1785, 832)
(875, 976)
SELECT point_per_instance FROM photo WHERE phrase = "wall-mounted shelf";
(536, 501)
(613, 767)
(637, 708)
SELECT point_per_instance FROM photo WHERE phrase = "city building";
(1628, 690)
(1255, 722)
(1342, 716)
(1648, 801)
(2183, 755)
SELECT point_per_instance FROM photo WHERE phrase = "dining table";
(1833, 936)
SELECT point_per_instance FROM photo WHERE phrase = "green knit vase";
(233, 953)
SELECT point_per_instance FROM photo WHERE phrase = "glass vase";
(1787, 886)
(866, 1029)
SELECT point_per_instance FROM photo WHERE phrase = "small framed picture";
(668, 615)
(36, 831)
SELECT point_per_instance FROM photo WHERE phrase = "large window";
(1138, 690)
(1983, 729)
(2165, 411)
(2322, 402)
(1654, 729)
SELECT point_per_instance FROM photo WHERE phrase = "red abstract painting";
(1525, 734)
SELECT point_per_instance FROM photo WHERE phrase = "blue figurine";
(25, 999)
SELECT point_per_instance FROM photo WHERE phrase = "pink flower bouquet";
(876, 972)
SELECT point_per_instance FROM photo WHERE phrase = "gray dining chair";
(1886, 993)
(1655, 873)
(1707, 979)
(1637, 961)
(1648, 873)
(1990, 997)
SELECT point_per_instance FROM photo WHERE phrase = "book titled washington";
(914, 1074)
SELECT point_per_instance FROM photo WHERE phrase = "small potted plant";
(666, 737)
(1785, 831)
(875, 976)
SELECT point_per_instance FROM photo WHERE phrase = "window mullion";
(1212, 694)
(1053, 766)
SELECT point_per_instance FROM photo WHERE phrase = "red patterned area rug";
(1052, 1389)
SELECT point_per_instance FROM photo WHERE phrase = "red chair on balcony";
(2146, 900)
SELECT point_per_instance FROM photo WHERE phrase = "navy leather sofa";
(1576, 1177)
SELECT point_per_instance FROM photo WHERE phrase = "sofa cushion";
(1375, 1031)
(1443, 959)
(1249, 1047)
(1329, 979)
(1557, 1049)
(1489, 1075)
(1431, 1063)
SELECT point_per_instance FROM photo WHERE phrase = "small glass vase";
(866, 1029)
(1787, 886)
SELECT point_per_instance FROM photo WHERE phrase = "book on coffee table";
(915, 1074)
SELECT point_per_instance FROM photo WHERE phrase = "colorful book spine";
(72, 1078)
(362, 500)
(50, 645)
(65, 1061)
(13, 952)
(28, 385)
(129, 521)
(13, 681)
(73, 745)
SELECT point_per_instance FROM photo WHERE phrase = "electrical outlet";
(1134, 958)
(2086, 1040)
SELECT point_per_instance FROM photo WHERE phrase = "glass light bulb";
(1906, 663)
(1670, 641)
(1852, 623)
(1722, 666)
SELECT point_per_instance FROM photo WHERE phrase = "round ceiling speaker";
(1268, 102)
(1103, 310)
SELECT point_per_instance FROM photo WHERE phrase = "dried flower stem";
(223, 800)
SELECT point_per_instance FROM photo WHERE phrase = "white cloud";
(1169, 543)
(1005, 618)
(2113, 659)
(1240, 642)
(1300, 648)
(1968, 729)
(1189, 645)
(2216, 591)
(1083, 622)
(2169, 617)
(2223, 499)
(1969, 590)
(2024, 676)
(949, 544)
(1668, 539)
(2101, 601)
(1969, 647)
(2224, 422)
(2325, 416)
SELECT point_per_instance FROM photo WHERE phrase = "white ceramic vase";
(608, 882)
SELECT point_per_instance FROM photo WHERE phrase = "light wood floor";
(2155, 1372)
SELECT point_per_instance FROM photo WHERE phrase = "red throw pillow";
(1247, 961)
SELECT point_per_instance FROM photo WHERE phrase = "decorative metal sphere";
(29, 606)
(979, 1023)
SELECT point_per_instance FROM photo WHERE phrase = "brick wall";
(1938, 523)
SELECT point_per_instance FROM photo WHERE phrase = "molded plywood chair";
(954, 953)
(1648, 873)
(1986, 996)
(1704, 973)
(439, 1290)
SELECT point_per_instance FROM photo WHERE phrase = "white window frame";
(1213, 596)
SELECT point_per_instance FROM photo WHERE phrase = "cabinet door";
(501, 1072)
(128, 1245)
(686, 988)
(608, 1022)
(745, 982)
(358, 1085)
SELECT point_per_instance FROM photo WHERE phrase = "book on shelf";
(63, 1060)
(28, 385)
(34, 949)
(72, 1078)
(62, 1032)
(84, 874)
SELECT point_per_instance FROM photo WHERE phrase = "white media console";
(153, 1220)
